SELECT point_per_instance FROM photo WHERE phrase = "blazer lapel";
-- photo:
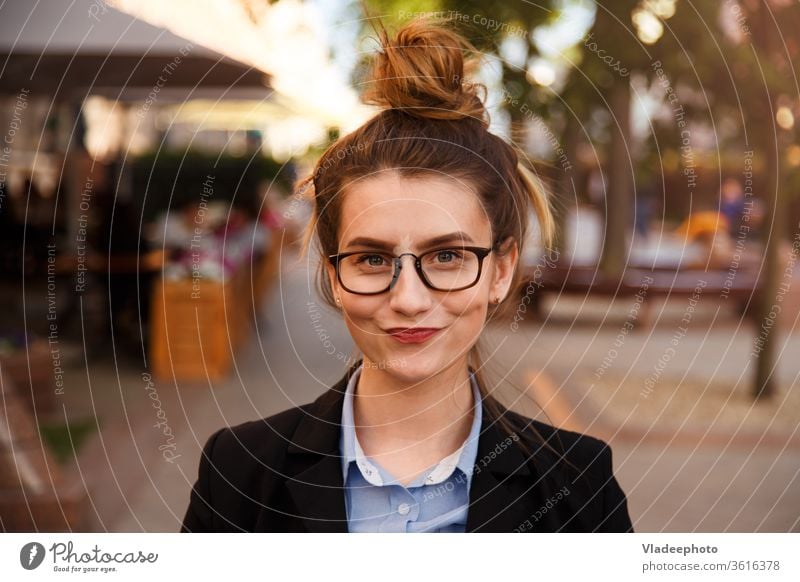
(493, 505)
(318, 489)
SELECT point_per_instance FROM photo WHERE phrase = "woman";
(419, 216)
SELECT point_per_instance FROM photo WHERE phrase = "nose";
(409, 295)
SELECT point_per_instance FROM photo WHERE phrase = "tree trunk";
(619, 190)
(569, 182)
(766, 139)
(766, 358)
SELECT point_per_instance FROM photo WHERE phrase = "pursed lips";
(411, 330)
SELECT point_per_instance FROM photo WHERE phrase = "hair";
(432, 122)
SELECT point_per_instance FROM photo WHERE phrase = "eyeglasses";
(446, 269)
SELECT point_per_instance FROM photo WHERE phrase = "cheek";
(470, 317)
(467, 317)
(361, 318)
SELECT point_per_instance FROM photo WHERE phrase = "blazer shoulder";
(573, 442)
(239, 467)
(592, 458)
(264, 435)
(585, 452)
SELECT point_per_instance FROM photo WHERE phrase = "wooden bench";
(741, 287)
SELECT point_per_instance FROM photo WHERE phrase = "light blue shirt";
(436, 501)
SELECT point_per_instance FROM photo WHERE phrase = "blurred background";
(152, 289)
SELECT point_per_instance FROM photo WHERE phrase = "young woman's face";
(403, 215)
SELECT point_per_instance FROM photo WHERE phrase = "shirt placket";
(404, 509)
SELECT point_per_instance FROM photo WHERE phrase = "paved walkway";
(671, 487)
(699, 479)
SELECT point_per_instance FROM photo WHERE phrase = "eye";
(448, 256)
(370, 260)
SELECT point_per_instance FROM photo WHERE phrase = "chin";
(412, 366)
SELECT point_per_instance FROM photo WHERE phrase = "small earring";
(497, 299)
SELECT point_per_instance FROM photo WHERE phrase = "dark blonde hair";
(432, 122)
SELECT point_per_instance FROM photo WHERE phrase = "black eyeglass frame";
(480, 252)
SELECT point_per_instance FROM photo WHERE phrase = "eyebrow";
(363, 241)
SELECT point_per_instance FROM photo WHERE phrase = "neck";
(438, 408)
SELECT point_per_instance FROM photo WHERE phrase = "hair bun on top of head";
(421, 72)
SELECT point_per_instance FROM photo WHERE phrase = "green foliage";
(395, 12)
(735, 84)
(174, 179)
(65, 440)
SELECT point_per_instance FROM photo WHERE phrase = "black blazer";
(283, 474)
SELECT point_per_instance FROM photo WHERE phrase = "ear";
(505, 262)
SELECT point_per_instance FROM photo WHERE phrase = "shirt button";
(403, 508)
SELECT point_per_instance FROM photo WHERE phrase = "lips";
(412, 334)
(411, 330)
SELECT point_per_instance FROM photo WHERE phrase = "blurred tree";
(612, 36)
(742, 58)
(732, 66)
(771, 94)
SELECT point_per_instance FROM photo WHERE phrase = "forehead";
(410, 211)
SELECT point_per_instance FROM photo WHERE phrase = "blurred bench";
(741, 287)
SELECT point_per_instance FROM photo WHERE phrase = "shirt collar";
(463, 458)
